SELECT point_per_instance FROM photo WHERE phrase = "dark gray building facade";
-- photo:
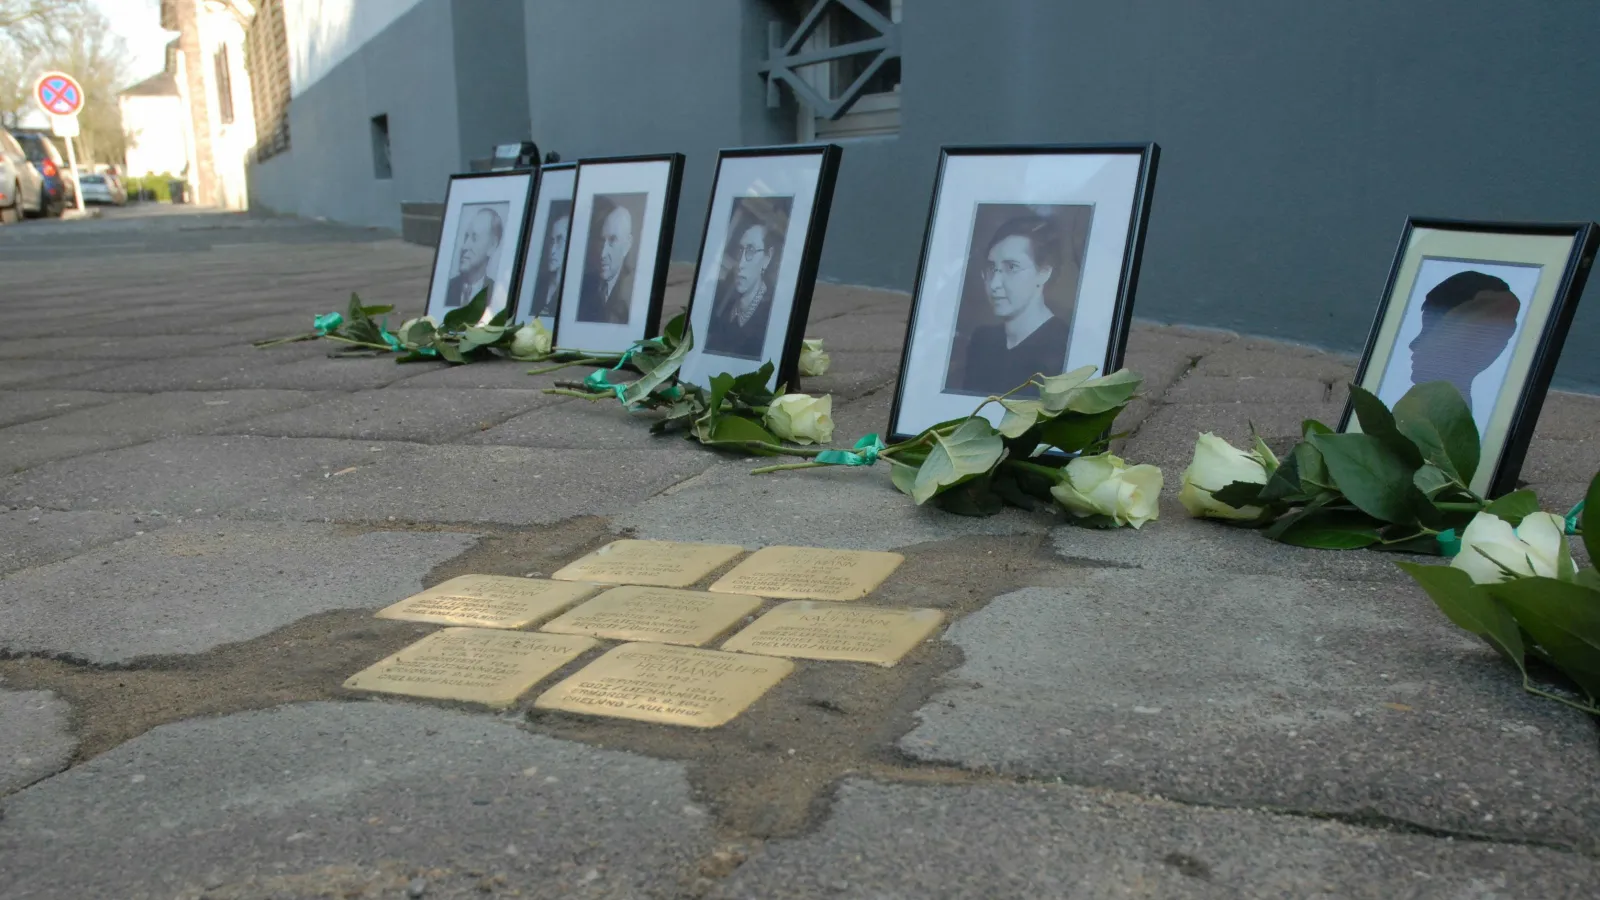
(1296, 137)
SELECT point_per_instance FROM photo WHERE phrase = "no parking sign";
(59, 94)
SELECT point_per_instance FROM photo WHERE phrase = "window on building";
(267, 60)
(382, 167)
(841, 61)
(224, 86)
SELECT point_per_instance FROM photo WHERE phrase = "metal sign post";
(60, 95)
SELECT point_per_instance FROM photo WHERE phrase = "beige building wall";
(155, 127)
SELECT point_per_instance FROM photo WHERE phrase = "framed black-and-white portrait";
(544, 253)
(1485, 307)
(480, 240)
(623, 210)
(758, 260)
(1029, 266)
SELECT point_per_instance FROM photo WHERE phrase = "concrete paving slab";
(37, 537)
(881, 331)
(360, 799)
(1574, 460)
(1249, 390)
(840, 508)
(48, 374)
(830, 301)
(1210, 546)
(35, 737)
(416, 415)
(574, 424)
(490, 373)
(1567, 417)
(500, 485)
(146, 417)
(26, 406)
(865, 415)
(188, 373)
(1274, 360)
(22, 451)
(194, 586)
(1031, 841)
(1248, 690)
(852, 373)
(163, 346)
(178, 476)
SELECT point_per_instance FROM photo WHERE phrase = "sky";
(139, 23)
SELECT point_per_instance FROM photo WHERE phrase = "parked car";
(21, 185)
(102, 189)
(58, 187)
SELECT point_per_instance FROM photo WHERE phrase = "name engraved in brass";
(660, 563)
(489, 601)
(661, 615)
(477, 665)
(809, 573)
(812, 630)
(667, 685)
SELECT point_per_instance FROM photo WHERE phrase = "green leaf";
(1269, 460)
(1100, 394)
(1435, 418)
(1588, 578)
(1239, 494)
(904, 476)
(1369, 474)
(1058, 389)
(1471, 607)
(1312, 467)
(1331, 529)
(971, 498)
(476, 336)
(738, 432)
(1430, 480)
(658, 374)
(1564, 618)
(449, 352)
(676, 328)
(1514, 507)
(370, 311)
(462, 316)
(1072, 432)
(1377, 422)
(1591, 528)
(751, 387)
(1004, 484)
(1308, 427)
(1019, 417)
(1284, 483)
(969, 451)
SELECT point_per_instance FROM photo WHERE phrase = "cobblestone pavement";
(194, 534)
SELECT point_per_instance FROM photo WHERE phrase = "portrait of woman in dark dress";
(743, 308)
(1023, 257)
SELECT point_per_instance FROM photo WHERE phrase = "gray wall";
(424, 72)
(1296, 137)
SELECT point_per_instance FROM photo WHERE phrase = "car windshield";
(92, 179)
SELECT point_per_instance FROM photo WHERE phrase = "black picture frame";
(669, 217)
(1585, 238)
(788, 367)
(527, 239)
(1133, 251)
(515, 240)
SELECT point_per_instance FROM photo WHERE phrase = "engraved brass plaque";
(668, 685)
(478, 665)
(662, 615)
(811, 630)
(660, 563)
(488, 601)
(809, 573)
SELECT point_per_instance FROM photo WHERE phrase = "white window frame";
(872, 115)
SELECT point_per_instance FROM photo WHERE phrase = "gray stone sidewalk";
(194, 533)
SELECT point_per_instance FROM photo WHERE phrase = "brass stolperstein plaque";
(662, 615)
(666, 684)
(488, 601)
(809, 573)
(660, 563)
(478, 665)
(811, 630)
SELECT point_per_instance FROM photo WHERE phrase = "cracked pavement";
(194, 534)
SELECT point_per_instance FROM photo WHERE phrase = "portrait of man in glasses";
(757, 227)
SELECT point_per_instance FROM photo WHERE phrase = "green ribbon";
(1449, 542)
(1574, 517)
(865, 453)
(327, 322)
(600, 384)
(391, 340)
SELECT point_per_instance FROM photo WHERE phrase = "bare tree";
(28, 24)
(84, 46)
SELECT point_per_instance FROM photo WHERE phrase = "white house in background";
(153, 117)
(214, 93)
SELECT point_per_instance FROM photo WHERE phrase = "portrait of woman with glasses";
(756, 230)
(1016, 315)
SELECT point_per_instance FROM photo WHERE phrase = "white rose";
(1490, 548)
(813, 359)
(532, 339)
(1104, 485)
(1216, 465)
(801, 418)
(405, 336)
